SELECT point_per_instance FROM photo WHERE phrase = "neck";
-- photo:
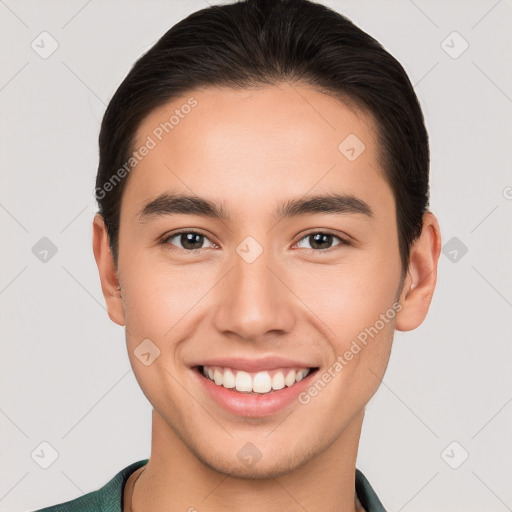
(175, 478)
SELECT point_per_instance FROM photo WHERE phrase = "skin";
(251, 150)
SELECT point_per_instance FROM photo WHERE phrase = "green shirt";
(109, 498)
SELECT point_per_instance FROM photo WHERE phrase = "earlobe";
(421, 278)
(107, 270)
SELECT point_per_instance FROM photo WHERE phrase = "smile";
(254, 382)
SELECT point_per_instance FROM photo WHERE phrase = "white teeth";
(278, 381)
(217, 377)
(300, 375)
(289, 380)
(243, 381)
(260, 382)
(229, 380)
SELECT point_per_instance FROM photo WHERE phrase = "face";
(313, 286)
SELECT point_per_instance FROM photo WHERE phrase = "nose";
(253, 302)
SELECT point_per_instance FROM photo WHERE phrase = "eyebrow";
(169, 204)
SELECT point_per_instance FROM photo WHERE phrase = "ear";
(108, 272)
(421, 277)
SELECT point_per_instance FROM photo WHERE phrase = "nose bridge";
(252, 300)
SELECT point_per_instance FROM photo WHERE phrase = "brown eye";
(320, 240)
(186, 240)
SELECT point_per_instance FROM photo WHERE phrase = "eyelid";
(344, 240)
(164, 239)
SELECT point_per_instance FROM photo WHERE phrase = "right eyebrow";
(168, 204)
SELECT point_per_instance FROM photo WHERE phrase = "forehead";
(252, 146)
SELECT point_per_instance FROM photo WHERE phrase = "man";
(263, 229)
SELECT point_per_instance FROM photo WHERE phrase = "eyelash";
(167, 237)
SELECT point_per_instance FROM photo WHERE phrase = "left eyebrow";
(323, 204)
(169, 204)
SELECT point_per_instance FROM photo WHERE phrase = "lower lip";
(244, 404)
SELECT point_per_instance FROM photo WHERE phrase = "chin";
(235, 467)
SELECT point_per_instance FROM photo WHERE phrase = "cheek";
(358, 318)
(351, 296)
(163, 300)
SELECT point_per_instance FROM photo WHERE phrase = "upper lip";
(255, 365)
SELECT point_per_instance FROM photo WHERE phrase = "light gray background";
(66, 377)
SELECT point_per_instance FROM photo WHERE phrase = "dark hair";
(264, 42)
